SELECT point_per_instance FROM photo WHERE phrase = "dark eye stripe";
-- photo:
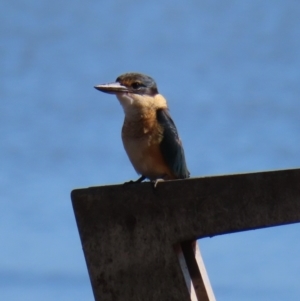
(136, 85)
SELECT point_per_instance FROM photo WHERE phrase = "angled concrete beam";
(128, 232)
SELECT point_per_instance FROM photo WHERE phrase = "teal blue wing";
(171, 146)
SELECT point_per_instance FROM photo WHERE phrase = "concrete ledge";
(128, 232)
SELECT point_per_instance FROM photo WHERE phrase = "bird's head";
(135, 91)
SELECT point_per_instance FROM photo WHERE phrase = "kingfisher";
(149, 134)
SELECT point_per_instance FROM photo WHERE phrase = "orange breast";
(141, 141)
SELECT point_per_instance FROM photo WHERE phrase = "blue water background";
(230, 71)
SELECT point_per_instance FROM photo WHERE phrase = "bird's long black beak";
(111, 88)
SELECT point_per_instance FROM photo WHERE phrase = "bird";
(150, 137)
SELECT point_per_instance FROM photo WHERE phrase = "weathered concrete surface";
(128, 231)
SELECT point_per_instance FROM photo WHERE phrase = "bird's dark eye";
(136, 85)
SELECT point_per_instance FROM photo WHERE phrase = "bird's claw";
(139, 180)
(156, 182)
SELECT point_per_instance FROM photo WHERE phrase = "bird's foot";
(156, 182)
(139, 180)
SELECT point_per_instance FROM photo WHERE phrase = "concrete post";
(135, 238)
